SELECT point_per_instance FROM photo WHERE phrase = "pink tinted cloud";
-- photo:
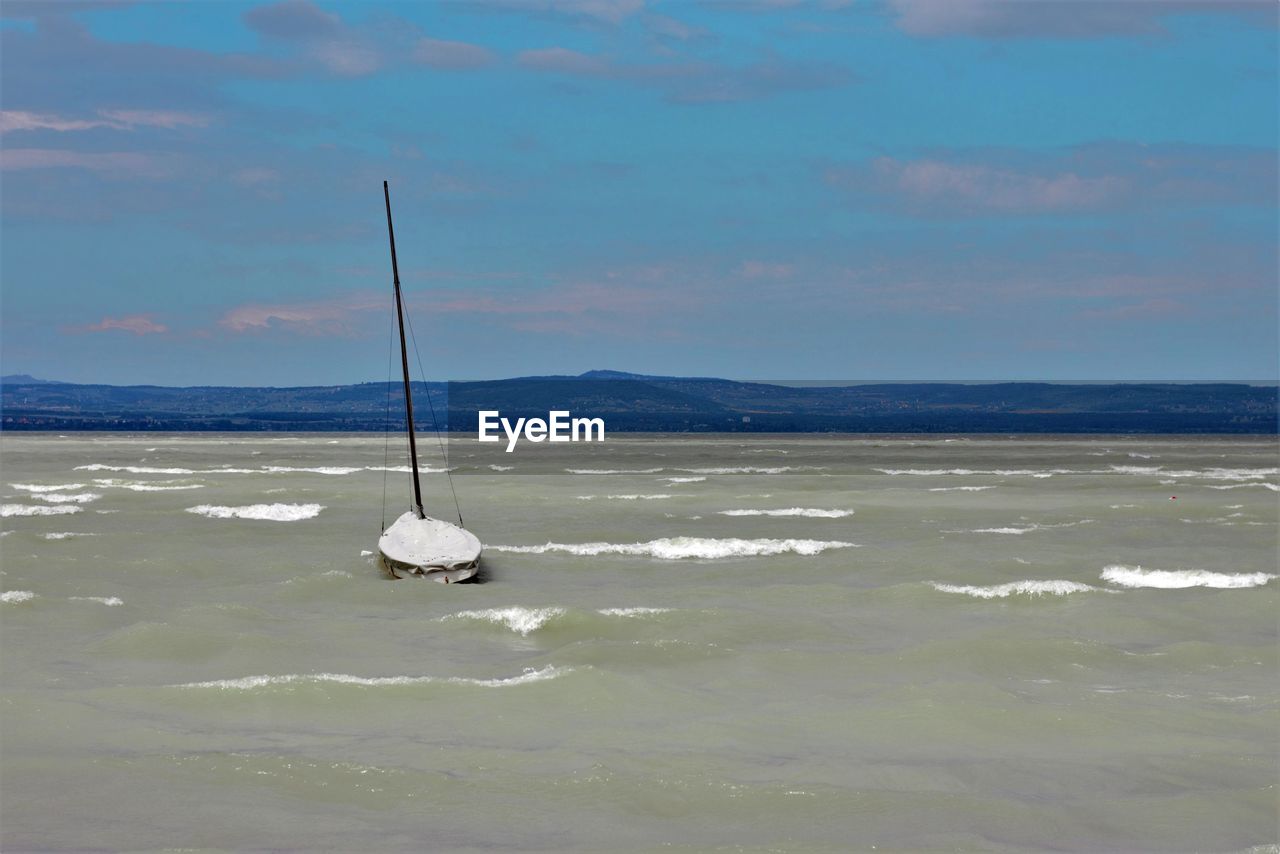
(167, 119)
(1081, 179)
(599, 12)
(138, 324)
(612, 305)
(564, 61)
(21, 120)
(109, 163)
(451, 55)
(338, 318)
(999, 190)
(1063, 19)
(1145, 310)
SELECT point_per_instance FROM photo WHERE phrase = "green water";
(1063, 655)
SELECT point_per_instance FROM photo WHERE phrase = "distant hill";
(25, 379)
(634, 402)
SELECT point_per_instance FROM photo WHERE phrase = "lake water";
(682, 642)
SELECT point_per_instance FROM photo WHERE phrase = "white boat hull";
(429, 548)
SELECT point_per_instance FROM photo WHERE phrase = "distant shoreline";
(633, 403)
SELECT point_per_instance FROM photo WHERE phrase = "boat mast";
(404, 359)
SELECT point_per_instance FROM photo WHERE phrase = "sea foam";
(13, 597)
(40, 487)
(39, 509)
(145, 486)
(1136, 576)
(248, 683)
(632, 612)
(791, 511)
(1056, 587)
(677, 548)
(517, 619)
(265, 512)
(68, 497)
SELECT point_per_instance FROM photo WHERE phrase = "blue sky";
(759, 189)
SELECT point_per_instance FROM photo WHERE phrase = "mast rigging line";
(408, 395)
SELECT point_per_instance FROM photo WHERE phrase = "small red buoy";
(1173, 498)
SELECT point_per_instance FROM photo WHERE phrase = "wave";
(1212, 473)
(1034, 526)
(684, 479)
(248, 683)
(1136, 576)
(960, 488)
(13, 597)
(964, 472)
(134, 469)
(750, 469)
(68, 497)
(1057, 587)
(501, 468)
(1271, 486)
(633, 612)
(614, 471)
(39, 509)
(791, 511)
(144, 486)
(517, 619)
(327, 470)
(266, 512)
(111, 601)
(677, 548)
(39, 487)
(66, 535)
(632, 497)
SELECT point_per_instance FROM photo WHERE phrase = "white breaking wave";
(111, 601)
(329, 470)
(13, 597)
(1212, 473)
(1271, 486)
(750, 469)
(614, 471)
(38, 487)
(66, 535)
(1136, 576)
(145, 486)
(1034, 526)
(134, 469)
(250, 682)
(960, 488)
(676, 548)
(791, 511)
(68, 497)
(962, 472)
(38, 509)
(635, 497)
(266, 512)
(632, 612)
(1057, 587)
(501, 468)
(684, 479)
(520, 620)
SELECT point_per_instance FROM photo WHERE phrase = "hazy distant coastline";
(631, 402)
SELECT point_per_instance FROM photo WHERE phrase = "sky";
(843, 190)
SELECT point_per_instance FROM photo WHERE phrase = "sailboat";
(416, 545)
